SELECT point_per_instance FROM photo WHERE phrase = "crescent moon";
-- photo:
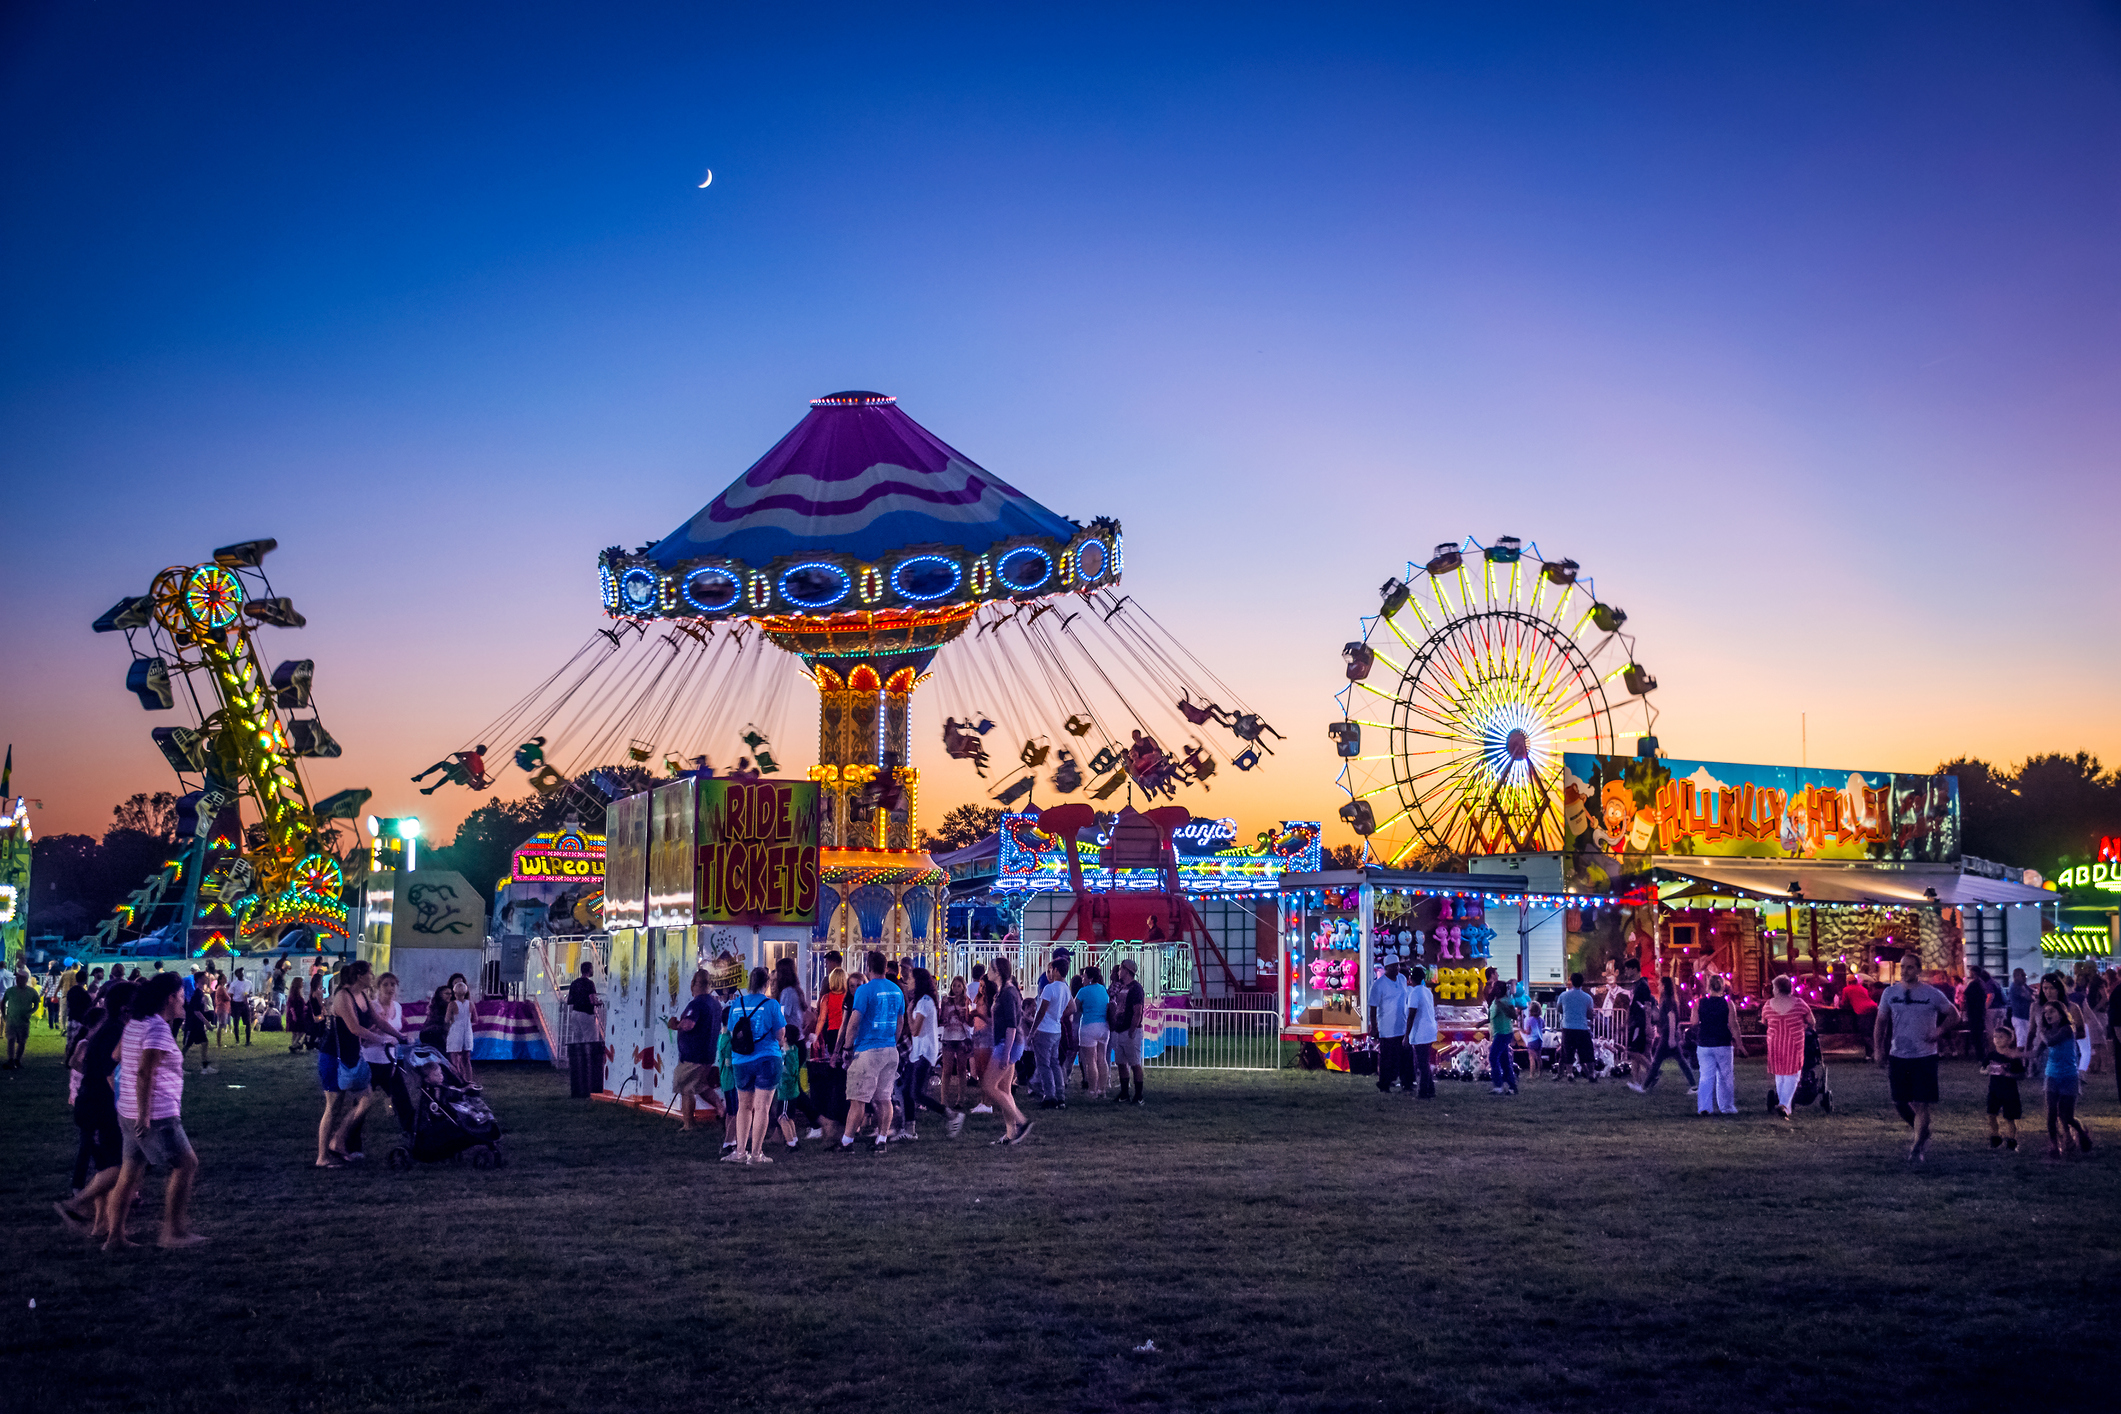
(710, 180)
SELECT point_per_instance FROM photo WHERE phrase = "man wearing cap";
(1388, 1023)
(1125, 1015)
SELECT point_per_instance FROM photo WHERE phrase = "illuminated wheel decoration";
(166, 597)
(319, 874)
(213, 597)
(1483, 666)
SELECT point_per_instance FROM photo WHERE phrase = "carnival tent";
(860, 477)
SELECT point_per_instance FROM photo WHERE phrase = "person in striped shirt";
(150, 1108)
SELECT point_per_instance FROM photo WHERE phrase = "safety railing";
(1212, 1038)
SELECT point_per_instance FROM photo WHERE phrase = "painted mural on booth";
(1623, 810)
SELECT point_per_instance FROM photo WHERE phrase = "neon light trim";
(1019, 580)
(637, 589)
(700, 588)
(844, 580)
(898, 577)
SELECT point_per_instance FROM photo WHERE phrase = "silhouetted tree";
(963, 825)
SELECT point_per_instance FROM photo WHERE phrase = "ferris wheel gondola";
(1496, 661)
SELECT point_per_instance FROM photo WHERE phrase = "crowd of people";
(872, 1051)
(865, 1057)
(2058, 1030)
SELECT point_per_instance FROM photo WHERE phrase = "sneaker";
(955, 1123)
(881, 1144)
(1136, 1102)
(1018, 1137)
(813, 1134)
(845, 1146)
(210, 1070)
(1049, 1104)
(983, 1108)
(907, 1135)
(1995, 1141)
(762, 1158)
(2010, 1145)
(734, 1155)
(791, 1144)
(1120, 1098)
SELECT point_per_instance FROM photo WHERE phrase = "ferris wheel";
(1483, 665)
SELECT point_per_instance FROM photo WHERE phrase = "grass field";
(1287, 1240)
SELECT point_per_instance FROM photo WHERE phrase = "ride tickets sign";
(563, 856)
(758, 851)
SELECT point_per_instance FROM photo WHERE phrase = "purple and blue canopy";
(859, 508)
(859, 477)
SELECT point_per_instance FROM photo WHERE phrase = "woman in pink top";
(1787, 1015)
(150, 1088)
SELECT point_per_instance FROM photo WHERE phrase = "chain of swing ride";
(1053, 676)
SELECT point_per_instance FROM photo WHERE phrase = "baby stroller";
(1811, 1081)
(441, 1115)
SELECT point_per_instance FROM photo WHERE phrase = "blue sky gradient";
(1798, 325)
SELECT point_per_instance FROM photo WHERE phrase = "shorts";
(194, 1029)
(2003, 1097)
(872, 1075)
(1127, 1047)
(328, 1072)
(957, 1052)
(18, 1031)
(163, 1145)
(1093, 1033)
(1913, 1078)
(2064, 1084)
(694, 1078)
(354, 1079)
(762, 1073)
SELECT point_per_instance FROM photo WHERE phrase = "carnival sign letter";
(758, 851)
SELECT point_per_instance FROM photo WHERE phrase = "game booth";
(1677, 868)
(1339, 928)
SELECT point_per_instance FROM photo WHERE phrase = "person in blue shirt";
(754, 1021)
(869, 1042)
(1575, 1008)
(699, 1029)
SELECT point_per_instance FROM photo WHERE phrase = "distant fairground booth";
(1490, 704)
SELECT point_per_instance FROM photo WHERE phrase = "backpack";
(741, 1036)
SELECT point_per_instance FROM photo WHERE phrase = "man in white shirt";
(1421, 1032)
(1388, 1023)
(239, 1005)
(1054, 999)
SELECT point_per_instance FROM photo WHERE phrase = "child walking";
(2006, 1067)
(790, 1088)
(2055, 1032)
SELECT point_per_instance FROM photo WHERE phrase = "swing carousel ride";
(1504, 661)
(228, 885)
(871, 552)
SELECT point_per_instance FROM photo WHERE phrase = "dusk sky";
(1798, 325)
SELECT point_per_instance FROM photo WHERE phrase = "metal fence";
(1218, 1038)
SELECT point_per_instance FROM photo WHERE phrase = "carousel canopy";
(858, 477)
